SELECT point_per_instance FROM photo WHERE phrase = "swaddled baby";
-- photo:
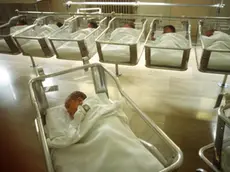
(213, 39)
(73, 103)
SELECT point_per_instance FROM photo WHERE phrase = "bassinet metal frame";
(206, 54)
(217, 146)
(134, 55)
(9, 38)
(203, 64)
(186, 51)
(41, 39)
(82, 43)
(40, 103)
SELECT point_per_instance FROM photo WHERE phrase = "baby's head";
(209, 32)
(72, 102)
(130, 25)
(22, 21)
(92, 24)
(59, 24)
(169, 29)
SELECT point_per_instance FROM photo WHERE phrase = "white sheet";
(103, 143)
(32, 47)
(70, 50)
(118, 53)
(165, 56)
(219, 41)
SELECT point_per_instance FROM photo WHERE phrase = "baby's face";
(90, 26)
(127, 25)
(167, 30)
(209, 33)
(72, 106)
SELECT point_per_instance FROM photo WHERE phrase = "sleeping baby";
(166, 29)
(214, 39)
(73, 101)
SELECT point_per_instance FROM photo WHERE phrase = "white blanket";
(33, 47)
(101, 142)
(166, 56)
(70, 50)
(218, 41)
(119, 53)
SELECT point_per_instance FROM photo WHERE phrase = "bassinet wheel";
(200, 170)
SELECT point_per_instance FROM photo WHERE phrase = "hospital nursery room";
(114, 86)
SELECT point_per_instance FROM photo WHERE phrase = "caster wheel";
(200, 170)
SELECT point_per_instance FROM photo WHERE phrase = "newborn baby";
(209, 32)
(166, 29)
(73, 101)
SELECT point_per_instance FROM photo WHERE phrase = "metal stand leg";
(223, 84)
(219, 142)
(219, 100)
(117, 70)
(85, 61)
(33, 62)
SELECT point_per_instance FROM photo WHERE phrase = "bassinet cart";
(213, 60)
(127, 49)
(81, 46)
(33, 41)
(7, 30)
(99, 80)
(168, 57)
(221, 145)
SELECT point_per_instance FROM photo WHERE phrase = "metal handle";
(87, 10)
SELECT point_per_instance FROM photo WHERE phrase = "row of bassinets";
(119, 41)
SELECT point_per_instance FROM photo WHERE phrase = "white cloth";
(218, 41)
(167, 56)
(70, 50)
(57, 119)
(120, 53)
(102, 142)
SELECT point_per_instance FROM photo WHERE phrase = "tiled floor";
(181, 103)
